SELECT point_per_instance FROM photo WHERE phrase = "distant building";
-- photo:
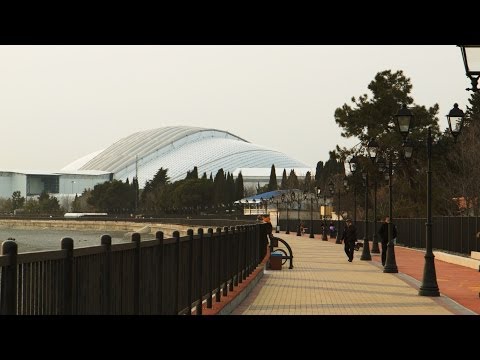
(176, 148)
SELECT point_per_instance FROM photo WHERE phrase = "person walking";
(349, 238)
(383, 232)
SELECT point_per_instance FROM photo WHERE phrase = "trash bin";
(278, 229)
(276, 260)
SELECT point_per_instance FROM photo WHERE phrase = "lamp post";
(298, 199)
(324, 233)
(471, 60)
(455, 117)
(353, 163)
(285, 201)
(275, 200)
(366, 246)
(381, 168)
(337, 238)
(305, 196)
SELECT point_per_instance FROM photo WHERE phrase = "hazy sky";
(59, 103)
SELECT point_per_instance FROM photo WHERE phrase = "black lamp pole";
(390, 262)
(324, 232)
(337, 239)
(276, 228)
(311, 217)
(375, 248)
(429, 285)
(366, 247)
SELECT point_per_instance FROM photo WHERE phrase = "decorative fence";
(161, 276)
(457, 234)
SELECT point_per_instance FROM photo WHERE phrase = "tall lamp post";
(324, 230)
(337, 238)
(285, 201)
(381, 169)
(366, 246)
(455, 118)
(353, 164)
(305, 197)
(298, 198)
(471, 60)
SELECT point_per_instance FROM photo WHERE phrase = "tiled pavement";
(323, 282)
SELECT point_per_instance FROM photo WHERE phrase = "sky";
(59, 103)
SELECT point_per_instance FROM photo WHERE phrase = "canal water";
(36, 239)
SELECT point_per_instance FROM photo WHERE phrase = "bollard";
(176, 236)
(136, 275)
(159, 237)
(9, 279)
(106, 242)
(190, 273)
(67, 244)
(211, 266)
(200, 273)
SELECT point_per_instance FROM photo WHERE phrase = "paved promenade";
(323, 282)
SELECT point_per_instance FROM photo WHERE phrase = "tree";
(292, 181)
(272, 184)
(374, 118)
(239, 188)
(460, 173)
(318, 173)
(17, 200)
(192, 174)
(283, 184)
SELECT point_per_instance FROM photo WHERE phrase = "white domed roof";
(179, 149)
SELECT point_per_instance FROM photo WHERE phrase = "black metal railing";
(161, 276)
(456, 234)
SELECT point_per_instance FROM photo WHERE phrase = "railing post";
(245, 253)
(191, 273)
(200, 273)
(159, 237)
(236, 254)
(219, 273)
(176, 236)
(231, 263)
(9, 279)
(106, 241)
(67, 244)
(136, 275)
(211, 267)
(225, 261)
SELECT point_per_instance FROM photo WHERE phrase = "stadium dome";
(179, 149)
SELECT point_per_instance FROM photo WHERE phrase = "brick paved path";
(324, 282)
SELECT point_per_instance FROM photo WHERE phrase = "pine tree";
(284, 184)
(272, 184)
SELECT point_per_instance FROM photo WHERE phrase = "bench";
(286, 256)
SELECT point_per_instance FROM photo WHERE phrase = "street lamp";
(429, 285)
(337, 238)
(366, 247)
(297, 198)
(324, 233)
(305, 196)
(285, 201)
(471, 60)
(353, 163)
(381, 167)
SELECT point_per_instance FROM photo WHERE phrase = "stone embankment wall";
(130, 227)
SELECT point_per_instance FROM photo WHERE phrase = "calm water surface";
(49, 239)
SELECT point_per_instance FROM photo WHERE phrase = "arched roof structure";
(179, 149)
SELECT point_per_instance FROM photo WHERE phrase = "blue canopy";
(274, 195)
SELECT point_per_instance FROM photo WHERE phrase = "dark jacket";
(350, 233)
(383, 232)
